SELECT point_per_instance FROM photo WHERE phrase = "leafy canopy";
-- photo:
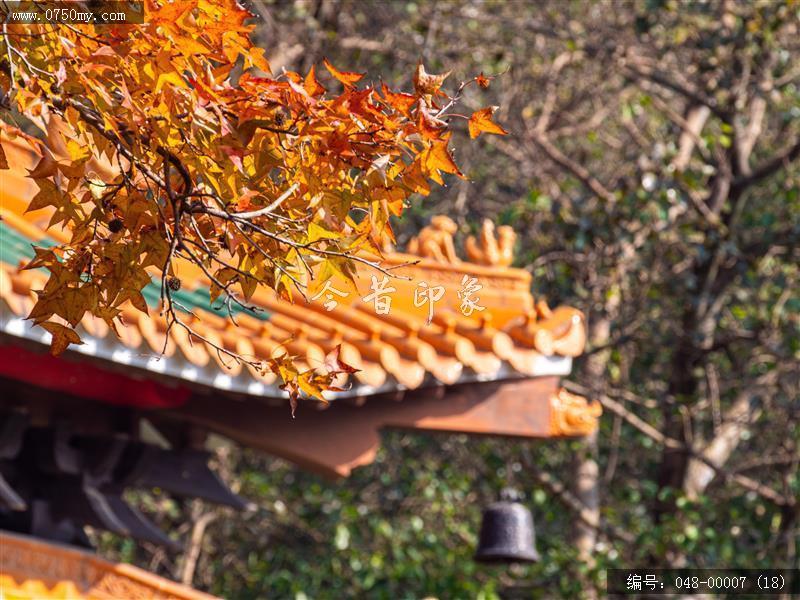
(167, 145)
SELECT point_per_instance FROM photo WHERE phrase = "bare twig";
(194, 546)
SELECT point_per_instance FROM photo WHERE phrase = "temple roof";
(512, 336)
(31, 569)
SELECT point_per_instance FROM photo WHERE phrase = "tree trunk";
(587, 480)
(586, 489)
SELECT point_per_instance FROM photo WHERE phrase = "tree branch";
(588, 517)
(654, 434)
(578, 170)
(770, 167)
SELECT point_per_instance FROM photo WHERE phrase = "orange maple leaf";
(313, 87)
(347, 78)
(334, 363)
(63, 336)
(429, 125)
(428, 84)
(437, 158)
(481, 122)
(399, 101)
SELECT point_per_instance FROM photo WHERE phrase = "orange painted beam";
(334, 441)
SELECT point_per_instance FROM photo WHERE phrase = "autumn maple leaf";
(347, 78)
(483, 81)
(334, 363)
(427, 84)
(481, 122)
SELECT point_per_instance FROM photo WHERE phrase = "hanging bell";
(506, 534)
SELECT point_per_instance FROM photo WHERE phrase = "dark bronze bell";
(506, 534)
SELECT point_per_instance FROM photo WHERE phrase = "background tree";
(652, 176)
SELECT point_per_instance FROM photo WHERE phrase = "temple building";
(448, 345)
